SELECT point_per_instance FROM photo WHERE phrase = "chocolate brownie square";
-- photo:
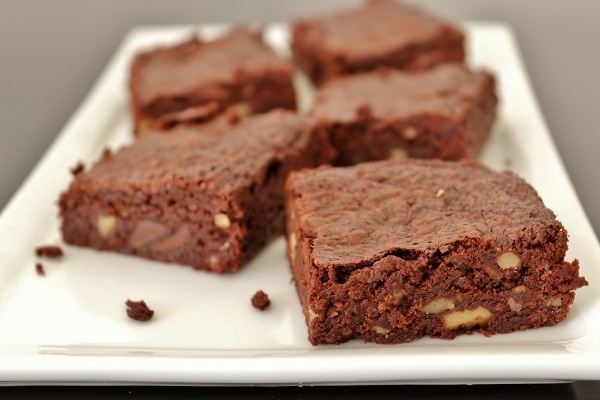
(445, 112)
(383, 32)
(393, 251)
(238, 70)
(209, 196)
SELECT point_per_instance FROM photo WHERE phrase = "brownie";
(445, 112)
(209, 196)
(392, 251)
(382, 32)
(238, 70)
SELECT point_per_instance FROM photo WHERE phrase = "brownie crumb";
(138, 310)
(260, 300)
(39, 268)
(49, 251)
(77, 169)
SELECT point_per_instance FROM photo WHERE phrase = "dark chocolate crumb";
(49, 251)
(39, 268)
(77, 169)
(138, 310)
(260, 300)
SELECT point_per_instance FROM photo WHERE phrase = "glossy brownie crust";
(393, 251)
(237, 70)
(210, 197)
(445, 112)
(383, 32)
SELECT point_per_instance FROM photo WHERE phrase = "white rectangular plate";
(70, 326)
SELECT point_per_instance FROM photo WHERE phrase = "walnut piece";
(222, 220)
(514, 305)
(492, 273)
(439, 305)
(292, 241)
(398, 297)
(398, 153)
(555, 302)
(410, 133)
(242, 109)
(106, 224)
(380, 330)
(145, 125)
(508, 260)
(467, 318)
(519, 289)
(312, 315)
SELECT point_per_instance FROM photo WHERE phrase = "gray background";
(52, 51)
